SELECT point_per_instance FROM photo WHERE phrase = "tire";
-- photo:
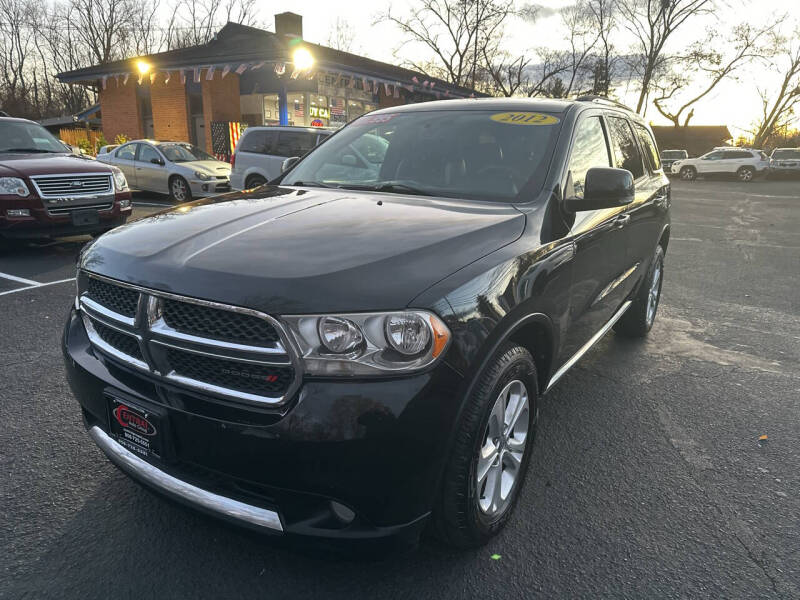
(688, 173)
(639, 318)
(746, 174)
(179, 190)
(467, 514)
(254, 181)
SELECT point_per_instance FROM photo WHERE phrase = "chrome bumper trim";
(180, 490)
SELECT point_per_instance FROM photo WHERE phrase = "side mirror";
(157, 161)
(289, 163)
(605, 187)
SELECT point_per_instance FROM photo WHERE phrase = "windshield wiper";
(29, 150)
(311, 184)
(395, 188)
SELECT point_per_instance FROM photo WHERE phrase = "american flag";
(235, 130)
(337, 109)
(224, 135)
(299, 109)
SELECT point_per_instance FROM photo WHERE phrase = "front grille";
(116, 339)
(262, 380)
(114, 297)
(212, 360)
(218, 324)
(72, 185)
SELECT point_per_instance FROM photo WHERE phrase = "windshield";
(18, 136)
(179, 153)
(485, 155)
(672, 154)
(783, 154)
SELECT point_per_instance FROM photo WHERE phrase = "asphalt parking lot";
(649, 479)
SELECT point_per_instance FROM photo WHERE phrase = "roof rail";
(596, 98)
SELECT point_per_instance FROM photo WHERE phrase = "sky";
(734, 102)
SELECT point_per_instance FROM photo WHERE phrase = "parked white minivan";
(260, 152)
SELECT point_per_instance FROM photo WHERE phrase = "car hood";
(212, 167)
(287, 250)
(24, 165)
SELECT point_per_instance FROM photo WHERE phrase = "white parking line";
(19, 279)
(152, 204)
(37, 285)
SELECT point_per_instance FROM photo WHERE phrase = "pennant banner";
(210, 73)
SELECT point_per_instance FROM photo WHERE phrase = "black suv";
(360, 348)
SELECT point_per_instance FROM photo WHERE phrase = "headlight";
(368, 343)
(13, 186)
(202, 176)
(120, 183)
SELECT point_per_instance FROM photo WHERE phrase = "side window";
(648, 146)
(589, 150)
(147, 153)
(714, 155)
(294, 143)
(259, 141)
(624, 147)
(126, 152)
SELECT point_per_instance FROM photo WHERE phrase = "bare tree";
(713, 65)
(652, 23)
(16, 53)
(603, 13)
(778, 105)
(457, 33)
(195, 22)
(582, 35)
(341, 35)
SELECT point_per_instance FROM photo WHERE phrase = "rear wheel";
(491, 451)
(746, 174)
(179, 189)
(255, 181)
(640, 316)
(688, 173)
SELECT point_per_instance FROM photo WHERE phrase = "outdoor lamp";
(143, 66)
(302, 59)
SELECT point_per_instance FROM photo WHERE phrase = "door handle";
(621, 221)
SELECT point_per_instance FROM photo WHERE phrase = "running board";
(585, 348)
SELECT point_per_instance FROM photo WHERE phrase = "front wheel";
(688, 173)
(491, 451)
(746, 174)
(179, 189)
(640, 316)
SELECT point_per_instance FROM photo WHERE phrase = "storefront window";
(318, 111)
(297, 109)
(272, 114)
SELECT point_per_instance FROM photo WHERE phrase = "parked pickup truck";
(46, 191)
(353, 352)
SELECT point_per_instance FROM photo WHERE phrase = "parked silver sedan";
(179, 169)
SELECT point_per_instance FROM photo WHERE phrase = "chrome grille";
(218, 324)
(118, 299)
(52, 186)
(222, 350)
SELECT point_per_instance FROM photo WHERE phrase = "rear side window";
(126, 152)
(648, 147)
(738, 154)
(259, 141)
(295, 143)
(624, 148)
(589, 150)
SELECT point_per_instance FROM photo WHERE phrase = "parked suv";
(354, 353)
(784, 161)
(260, 152)
(745, 163)
(47, 191)
(670, 156)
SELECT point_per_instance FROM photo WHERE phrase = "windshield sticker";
(524, 118)
(373, 119)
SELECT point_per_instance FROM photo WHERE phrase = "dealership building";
(246, 75)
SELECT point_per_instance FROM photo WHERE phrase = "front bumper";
(209, 187)
(376, 447)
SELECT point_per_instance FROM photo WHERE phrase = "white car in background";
(261, 151)
(179, 169)
(745, 163)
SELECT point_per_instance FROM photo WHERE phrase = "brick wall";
(385, 101)
(120, 110)
(220, 101)
(170, 118)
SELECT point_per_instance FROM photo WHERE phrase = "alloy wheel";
(654, 292)
(179, 189)
(500, 456)
(746, 174)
